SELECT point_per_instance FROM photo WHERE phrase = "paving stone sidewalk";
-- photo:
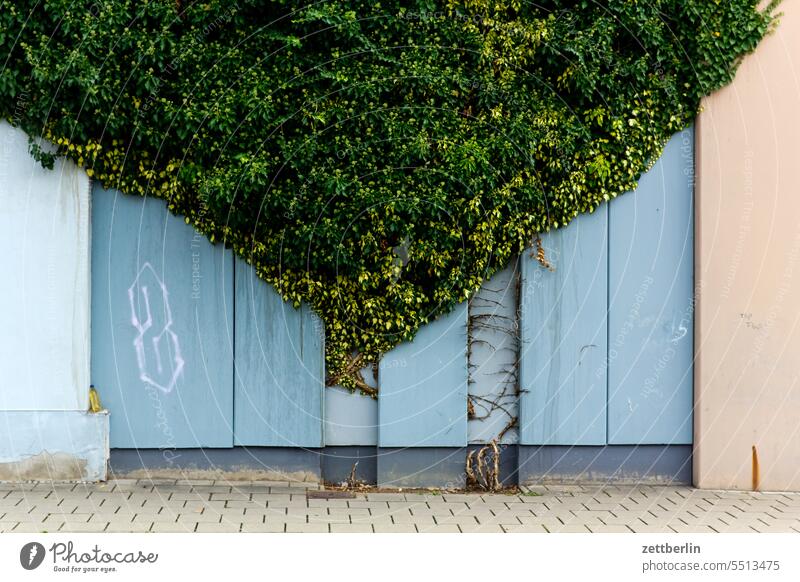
(224, 506)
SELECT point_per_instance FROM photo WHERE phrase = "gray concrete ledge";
(422, 467)
(237, 463)
(442, 467)
(337, 464)
(53, 445)
(650, 464)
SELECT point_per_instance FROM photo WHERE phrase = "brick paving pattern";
(161, 505)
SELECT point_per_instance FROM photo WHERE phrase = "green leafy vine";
(379, 160)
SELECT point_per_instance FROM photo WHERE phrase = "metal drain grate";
(330, 495)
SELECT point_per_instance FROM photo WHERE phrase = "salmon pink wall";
(747, 272)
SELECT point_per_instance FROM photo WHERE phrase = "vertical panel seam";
(233, 349)
(608, 312)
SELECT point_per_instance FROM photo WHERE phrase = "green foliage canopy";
(377, 160)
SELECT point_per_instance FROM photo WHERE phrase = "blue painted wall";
(493, 352)
(162, 326)
(651, 309)
(606, 352)
(351, 419)
(603, 342)
(563, 328)
(423, 387)
(280, 367)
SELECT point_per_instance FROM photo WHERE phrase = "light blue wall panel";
(162, 317)
(493, 356)
(279, 367)
(350, 417)
(423, 387)
(563, 336)
(651, 305)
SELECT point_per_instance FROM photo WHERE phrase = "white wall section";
(44, 280)
(45, 429)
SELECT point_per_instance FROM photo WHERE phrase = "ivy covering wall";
(378, 160)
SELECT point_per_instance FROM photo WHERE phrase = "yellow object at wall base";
(94, 400)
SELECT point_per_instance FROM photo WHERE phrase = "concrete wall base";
(53, 445)
(441, 467)
(338, 464)
(237, 463)
(620, 464)
(422, 467)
